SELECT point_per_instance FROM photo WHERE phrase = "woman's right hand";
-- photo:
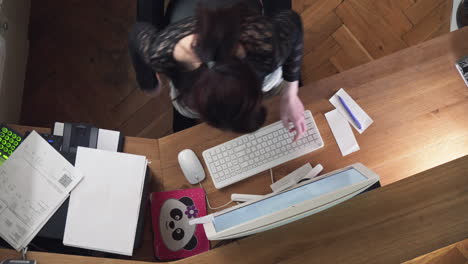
(292, 110)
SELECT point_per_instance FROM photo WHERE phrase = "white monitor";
(277, 209)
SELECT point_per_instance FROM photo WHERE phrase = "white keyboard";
(250, 154)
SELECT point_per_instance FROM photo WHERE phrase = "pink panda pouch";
(171, 211)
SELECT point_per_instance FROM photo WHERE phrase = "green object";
(9, 139)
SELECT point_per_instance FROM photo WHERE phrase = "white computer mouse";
(191, 166)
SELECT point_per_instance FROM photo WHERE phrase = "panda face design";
(174, 227)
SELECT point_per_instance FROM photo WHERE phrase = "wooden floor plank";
(316, 64)
(429, 25)
(143, 117)
(316, 34)
(298, 6)
(403, 4)
(375, 34)
(317, 11)
(321, 53)
(388, 11)
(158, 127)
(417, 12)
(352, 53)
(322, 71)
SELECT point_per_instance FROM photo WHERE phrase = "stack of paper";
(104, 209)
(340, 118)
(34, 182)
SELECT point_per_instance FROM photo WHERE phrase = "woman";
(222, 62)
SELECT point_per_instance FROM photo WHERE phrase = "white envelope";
(357, 111)
(342, 131)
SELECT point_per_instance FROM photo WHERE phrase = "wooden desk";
(419, 105)
(416, 97)
(392, 224)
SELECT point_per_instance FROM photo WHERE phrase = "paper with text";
(34, 182)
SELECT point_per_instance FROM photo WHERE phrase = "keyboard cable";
(208, 201)
(231, 201)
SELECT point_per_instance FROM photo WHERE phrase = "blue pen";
(349, 112)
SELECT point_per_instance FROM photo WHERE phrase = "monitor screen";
(286, 199)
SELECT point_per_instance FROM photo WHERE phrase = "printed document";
(34, 182)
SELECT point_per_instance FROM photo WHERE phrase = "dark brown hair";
(227, 93)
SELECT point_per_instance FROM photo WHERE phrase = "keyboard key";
(239, 148)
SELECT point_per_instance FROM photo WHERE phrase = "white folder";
(104, 209)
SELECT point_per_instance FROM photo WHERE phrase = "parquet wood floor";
(340, 35)
(79, 70)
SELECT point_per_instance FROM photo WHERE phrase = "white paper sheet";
(104, 209)
(108, 140)
(34, 182)
(342, 131)
(357, 111)
(453, 20)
